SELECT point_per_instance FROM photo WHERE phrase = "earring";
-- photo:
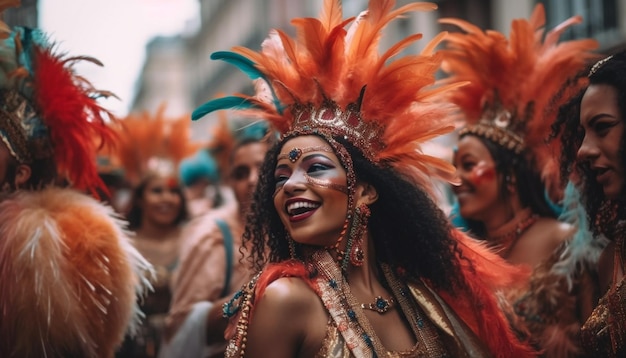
(354, 247)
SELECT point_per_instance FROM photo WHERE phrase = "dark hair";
(135, 212)
(528, 182)
(567, 126)
(409, 229)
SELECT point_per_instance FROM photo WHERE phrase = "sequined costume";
(604, 332)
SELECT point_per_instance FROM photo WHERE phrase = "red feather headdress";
(334, 80)
(49, 113)
(517, 84)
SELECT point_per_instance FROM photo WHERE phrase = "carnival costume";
(515, 88)
(69, 276)
(333, 83)
(152, 145)
(604, 332)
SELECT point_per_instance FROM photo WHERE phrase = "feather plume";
(153, 143)
(583, 250)
(529, 76)
(73, 118)
(327, 62)
(69, 276)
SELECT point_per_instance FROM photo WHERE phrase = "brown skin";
(290, 320)
(480, 199)
(604, 127)
(22, 171)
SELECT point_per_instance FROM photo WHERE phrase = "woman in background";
(150, 149)
(592, 133)
(509, 174)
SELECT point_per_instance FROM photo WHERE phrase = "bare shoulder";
(554, 232)
(284, 320)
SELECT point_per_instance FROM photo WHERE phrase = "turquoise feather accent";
(230, 102)
(242, 63)
(248, 67)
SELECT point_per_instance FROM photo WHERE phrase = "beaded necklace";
(350, 317)
(506, 236)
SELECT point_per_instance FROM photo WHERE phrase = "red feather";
(68, 106)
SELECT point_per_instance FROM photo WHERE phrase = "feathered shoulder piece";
(331, 78)
(69, 276)
(47, 111)
(153, 144)
(516, 84)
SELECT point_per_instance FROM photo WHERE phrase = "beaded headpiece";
(47, 112)
(516, 84)
(331, 79)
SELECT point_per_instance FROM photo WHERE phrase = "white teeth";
(301, 204)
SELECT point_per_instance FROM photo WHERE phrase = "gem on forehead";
(294, 154)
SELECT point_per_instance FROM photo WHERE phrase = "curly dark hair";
(567, 126)
(528, 181)
(135, 213)
(409, 229)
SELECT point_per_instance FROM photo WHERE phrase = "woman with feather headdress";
(356, 259)
(69, 276)
(509, 173)
(149, 148)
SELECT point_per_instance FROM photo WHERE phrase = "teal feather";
(242, 63)
(248, 67)
(583, 249)
(230, 102)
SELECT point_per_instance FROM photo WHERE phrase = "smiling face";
(478, 194)
(161, 202)
(604, 127)
(311, 195)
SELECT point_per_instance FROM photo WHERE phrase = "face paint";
(482, 173)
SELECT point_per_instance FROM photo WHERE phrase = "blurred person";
(591, 128)
(150, 148)
(212, 267)
(509, 174)
(69, 276)
(356, 259)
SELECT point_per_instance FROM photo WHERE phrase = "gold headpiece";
(516, 85)
(333, 80)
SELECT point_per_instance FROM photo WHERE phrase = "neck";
(155, 231)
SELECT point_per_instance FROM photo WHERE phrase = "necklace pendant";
(380, 305)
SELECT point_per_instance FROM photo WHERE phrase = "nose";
(295, 183)
(588, 150)
(253, 178)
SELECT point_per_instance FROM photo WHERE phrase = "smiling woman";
(509, 174)
(149, 149)
(356, 259)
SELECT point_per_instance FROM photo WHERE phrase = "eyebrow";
(599, 116)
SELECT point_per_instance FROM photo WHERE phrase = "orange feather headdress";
(332, 80)
(152, 143)
(516, 84)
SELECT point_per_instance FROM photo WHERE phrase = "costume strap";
(228, 247)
